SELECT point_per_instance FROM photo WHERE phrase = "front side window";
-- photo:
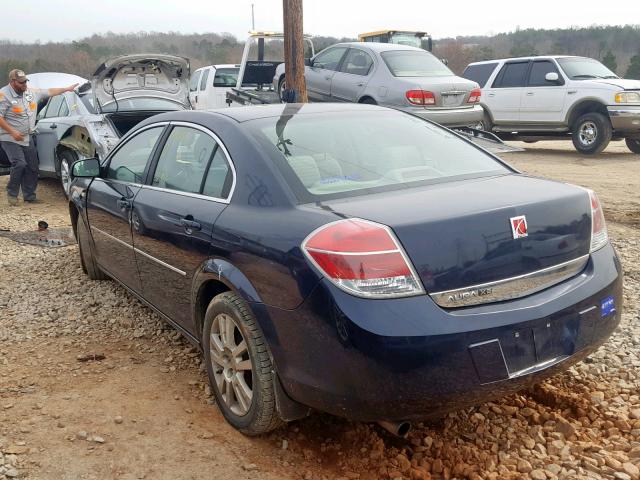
(195, 79)
(357, 62)
(54, 106)
(412, 63)
(130, 160)
(538, 73)
(184, 160)
(334, 156)
(511, 75)
(329, 59)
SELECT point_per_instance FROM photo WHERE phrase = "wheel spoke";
(216, 343)
(242, 392)
(229, 341)
(240, 349)
(230, 397)
(216, 356)
(244, 365)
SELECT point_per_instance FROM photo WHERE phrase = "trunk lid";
(142, 81)
(450, 92)
(458, 234)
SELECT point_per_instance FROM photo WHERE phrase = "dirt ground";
(145, 410)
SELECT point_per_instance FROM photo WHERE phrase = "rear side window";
(226, 77)
(203, 82)
(193, 83)
(479, 73)
(184, 159)
(218, 181)
(538, 72)
(511, 75)
(357, 62)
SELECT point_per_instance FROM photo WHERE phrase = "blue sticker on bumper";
(607, 306)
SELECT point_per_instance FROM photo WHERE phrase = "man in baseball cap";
(18, 110)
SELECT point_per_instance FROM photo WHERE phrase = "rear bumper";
(625, 119)
(407, 359)
(452, 117)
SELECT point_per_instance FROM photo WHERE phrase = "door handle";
(571, 92)
(190, 224)
(529, 94)
(491, 95)
(53, 126)
(124, 204)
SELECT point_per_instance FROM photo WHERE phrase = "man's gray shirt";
(20, 111)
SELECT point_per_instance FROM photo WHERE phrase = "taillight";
(474, 96)
(362, 258)
(599, 236)
(421, 97)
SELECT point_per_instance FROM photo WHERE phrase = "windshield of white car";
(146, 104)
(326, 156)
(411, 63)
(579, 68)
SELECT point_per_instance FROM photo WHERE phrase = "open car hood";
(141, 76)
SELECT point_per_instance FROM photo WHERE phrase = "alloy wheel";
(588, 133)
(65, 176)
(231, 363)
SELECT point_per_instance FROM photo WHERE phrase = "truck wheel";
(239, 365)
(282, 85)
(591, 133)
(633, 144)
(65, 160)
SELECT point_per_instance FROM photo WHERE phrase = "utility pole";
(294, 52)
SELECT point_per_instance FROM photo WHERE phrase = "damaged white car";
(90, 121)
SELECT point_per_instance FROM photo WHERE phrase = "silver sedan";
(396, 76)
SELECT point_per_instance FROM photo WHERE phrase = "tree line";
(617, 47)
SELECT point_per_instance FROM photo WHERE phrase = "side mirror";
(552, 77)
(308, 62)
(86, 168)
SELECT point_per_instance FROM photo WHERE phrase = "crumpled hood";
(623, 83)
(142, 75)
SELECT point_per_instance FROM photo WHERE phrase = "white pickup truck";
(557, 97)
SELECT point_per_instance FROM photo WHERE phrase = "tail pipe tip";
(399, 429)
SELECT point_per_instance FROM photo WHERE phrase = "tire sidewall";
(68, 158)
(603, 133)
(633, 145)
(222, 304)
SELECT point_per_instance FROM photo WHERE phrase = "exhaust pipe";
(399, 429)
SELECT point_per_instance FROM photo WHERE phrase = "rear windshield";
(226, 77)
(326, 156)
(410, 63)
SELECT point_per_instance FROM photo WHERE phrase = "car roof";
(252, 112)
(536, 57)
(377, 47)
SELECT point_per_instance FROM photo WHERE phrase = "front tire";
(591, 133)
(633, 144)
(66, 159)
(87, 260)
(239, 365)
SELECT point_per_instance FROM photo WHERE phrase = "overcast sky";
(65, 20)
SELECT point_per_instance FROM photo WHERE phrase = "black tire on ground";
(368, 101)
(261, 415)
(87, 260)
(591, 133)
(65, 160)
(633, 144)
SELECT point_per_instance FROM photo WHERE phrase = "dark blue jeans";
(24, 169)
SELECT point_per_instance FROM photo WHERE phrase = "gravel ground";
(94, 385)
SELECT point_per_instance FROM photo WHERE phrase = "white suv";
(552, 97)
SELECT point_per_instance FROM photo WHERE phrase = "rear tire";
(591, 133)
(633, 144)
(66, 159)
(239, 365)
(87, 260)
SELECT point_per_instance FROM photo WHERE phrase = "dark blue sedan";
(347, 258)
